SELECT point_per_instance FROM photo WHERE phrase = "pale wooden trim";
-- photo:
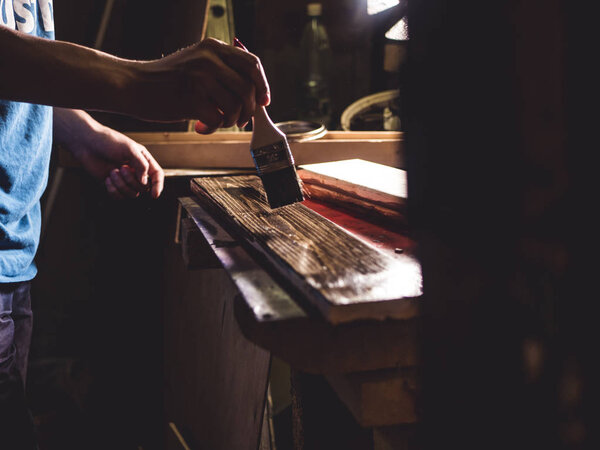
(231, 154)
(187, 151)
(154, 137)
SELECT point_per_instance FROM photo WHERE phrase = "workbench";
(354, 384)
(225, 316)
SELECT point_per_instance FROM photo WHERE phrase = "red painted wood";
(380, 236)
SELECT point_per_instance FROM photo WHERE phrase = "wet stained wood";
(345, 278)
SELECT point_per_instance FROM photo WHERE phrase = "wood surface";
(387, 237)
(267, 300)
(344, 278)
(269, 316)
(359, 185)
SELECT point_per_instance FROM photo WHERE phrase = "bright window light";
(376, 6)
(398, 32)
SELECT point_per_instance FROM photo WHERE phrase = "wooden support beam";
(379, 398)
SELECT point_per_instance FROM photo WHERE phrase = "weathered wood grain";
(267, 300)
(342, 276)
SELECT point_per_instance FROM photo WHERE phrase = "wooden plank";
(363, 186)
(186, 150)
(267, 300)
(206, 172)
(316, 346)
(269, 317)
(344, 278)
(364, 179)
(237, 154)
(391, 240)
(154, 137)
(192, 151)
(379, 398)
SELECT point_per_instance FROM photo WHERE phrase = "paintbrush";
(273, 158)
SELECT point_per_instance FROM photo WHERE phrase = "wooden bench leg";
(319, 419)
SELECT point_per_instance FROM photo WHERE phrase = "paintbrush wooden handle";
(264, 131)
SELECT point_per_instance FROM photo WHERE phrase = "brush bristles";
(282, 187)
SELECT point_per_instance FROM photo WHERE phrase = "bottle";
(315, 57)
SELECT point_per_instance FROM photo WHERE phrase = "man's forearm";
(57, 73)
(211, 81)
(72, 127)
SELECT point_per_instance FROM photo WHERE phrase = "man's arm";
(209, 81)
(125, 166)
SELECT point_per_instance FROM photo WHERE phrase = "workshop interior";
(432, 290)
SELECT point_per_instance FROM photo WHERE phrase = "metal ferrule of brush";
(272, 157)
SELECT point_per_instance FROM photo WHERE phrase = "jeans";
(16, 424)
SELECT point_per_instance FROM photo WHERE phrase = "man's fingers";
(157, 175)
(210, 117)
(111, 189)
(229, 90)
(249, 65)
(117, 180)
(137, 161)
(229, 103)
(128, 175)
(248, 107)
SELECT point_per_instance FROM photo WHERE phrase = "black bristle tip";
(282, 187)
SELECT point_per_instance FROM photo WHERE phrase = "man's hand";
(125, 166)
(211, 81)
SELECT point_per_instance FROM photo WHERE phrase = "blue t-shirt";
(25, 145)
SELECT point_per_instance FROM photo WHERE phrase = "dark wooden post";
(501, 186)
